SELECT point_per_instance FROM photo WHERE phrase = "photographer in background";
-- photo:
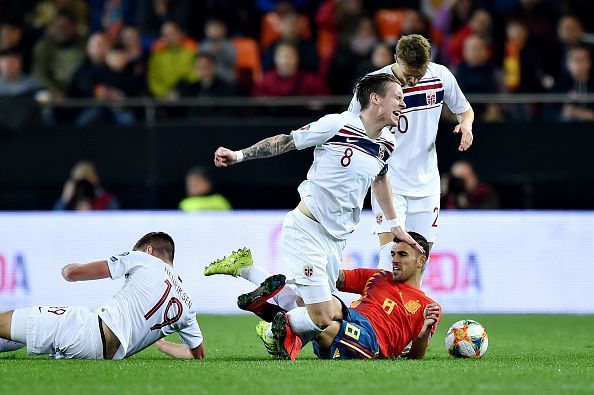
(461, 189)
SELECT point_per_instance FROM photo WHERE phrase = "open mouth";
(396, 268)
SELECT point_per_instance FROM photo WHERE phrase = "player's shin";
(302, 324)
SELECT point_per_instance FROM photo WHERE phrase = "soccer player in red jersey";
(390, 313)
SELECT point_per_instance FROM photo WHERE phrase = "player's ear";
(149, 250)
(373, 98)
(421, 260)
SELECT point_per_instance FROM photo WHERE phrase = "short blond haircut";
(413, 51)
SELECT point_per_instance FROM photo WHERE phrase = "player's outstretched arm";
(420, 344)
(88, 271)
(271, 146)
(180, 351)
(464, 127)
(383, 193)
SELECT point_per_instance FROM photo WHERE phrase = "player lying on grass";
(391, 312)
(151, 305)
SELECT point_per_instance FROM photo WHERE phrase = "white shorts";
(70, 332)
(311, 256)
(420, 215)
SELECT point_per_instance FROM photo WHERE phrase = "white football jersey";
(151, 305)
(346, 161)
(413, 168)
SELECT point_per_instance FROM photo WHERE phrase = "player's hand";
(224, 157)
(431, 314)
(467, 136)
(403, 235)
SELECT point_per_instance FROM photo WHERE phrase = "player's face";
(392, 104)
(411, 75)
(405, 262)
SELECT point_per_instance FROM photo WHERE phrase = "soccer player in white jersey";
(350, 156)
(151, 305)
(413, 169)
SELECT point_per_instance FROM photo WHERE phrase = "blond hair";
(413, 51)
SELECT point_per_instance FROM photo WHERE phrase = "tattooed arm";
(271, 146)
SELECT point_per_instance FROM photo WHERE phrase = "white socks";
(302, 324)
(8, 345)
(254, 274)
(286, 298)
(385, 257)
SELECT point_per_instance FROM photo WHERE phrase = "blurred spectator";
(274, 5)
(209, 84)
(46, 11)
(290, 33)
(199, 191)
(152, 14)
(83, 195)
(85, 170)
(137, 59)
(463, 190)
(171, 60)
(57, 55)
(415, 22)
(333, 18)
(522, 68)
(476, 74)
(217, 44)
(93, 68)
(538, 17)
(381, 56)
(579, 81)
(480, 23)
(354, 50)
(287, 79)
(570, 32)
(14, 35)
(110, 16)
(112, 85)
(13, 80)
(452, 15)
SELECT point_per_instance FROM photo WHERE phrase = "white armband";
(239, 156)
(395, 222)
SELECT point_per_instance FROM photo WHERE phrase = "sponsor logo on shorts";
(308, 270)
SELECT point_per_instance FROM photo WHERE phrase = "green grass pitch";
(532, 354)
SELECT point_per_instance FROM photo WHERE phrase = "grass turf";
(527, 354)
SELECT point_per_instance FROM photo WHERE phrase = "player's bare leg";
(6, 344)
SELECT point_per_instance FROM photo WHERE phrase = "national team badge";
(379, 218)
(308, 270)
(382, 152)
(431, 97)
(412, 306)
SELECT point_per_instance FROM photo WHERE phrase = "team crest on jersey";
(412, 306)
(308, 270)
(431, 97)
(382, 152)
(379, 218)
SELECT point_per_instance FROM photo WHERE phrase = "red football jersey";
(395, 310)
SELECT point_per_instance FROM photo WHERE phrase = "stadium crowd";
(114, 49)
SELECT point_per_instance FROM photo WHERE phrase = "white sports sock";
(286, 298)
(8, 345)
(385, 257)
(254, 274)
(302, 324)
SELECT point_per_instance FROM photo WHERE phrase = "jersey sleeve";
(318, 132)
(121, 264)
(355, 280)
(191, 335)
(453, 95)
